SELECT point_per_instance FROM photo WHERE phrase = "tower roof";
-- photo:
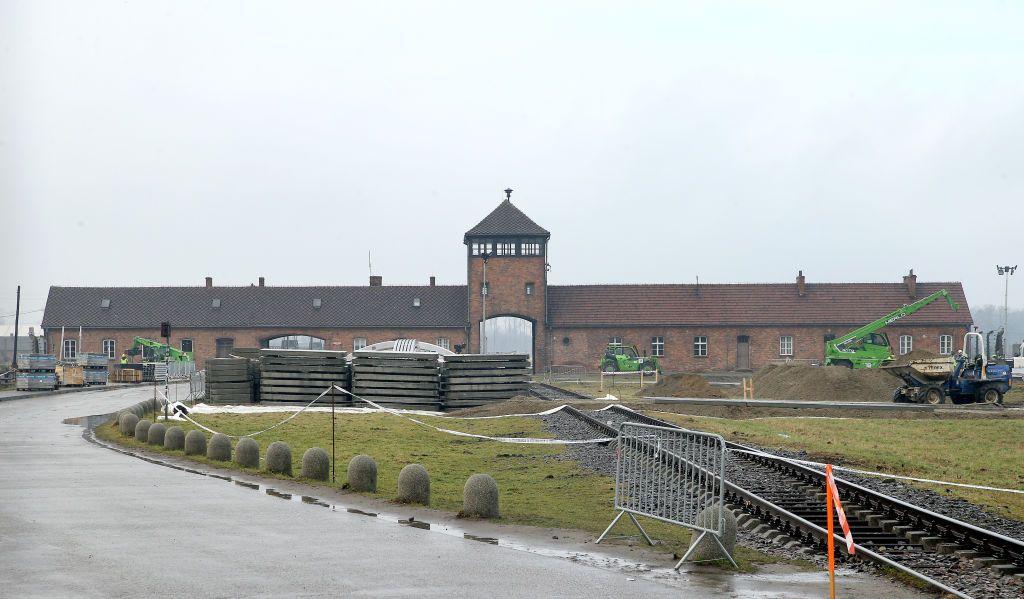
(506, 219)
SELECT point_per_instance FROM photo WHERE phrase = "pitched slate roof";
(290, 307)
(842, 304)
(506, 219)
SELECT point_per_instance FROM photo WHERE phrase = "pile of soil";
(917, 354)
(520, 404)
(823, 383)
(683, 385)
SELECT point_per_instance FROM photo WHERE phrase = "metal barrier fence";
(673, 475)
(197, 385)
(173, 371)
(564, 373)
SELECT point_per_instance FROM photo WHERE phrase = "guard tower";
(509, 312)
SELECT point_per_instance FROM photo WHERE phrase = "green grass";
(537, 487)
(973, 451)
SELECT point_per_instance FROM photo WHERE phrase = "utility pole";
(17, 316)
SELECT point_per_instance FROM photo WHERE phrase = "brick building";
(692, 327)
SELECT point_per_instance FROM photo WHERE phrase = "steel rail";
(809, 528)
(555, 390)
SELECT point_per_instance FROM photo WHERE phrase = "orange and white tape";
(834, 492)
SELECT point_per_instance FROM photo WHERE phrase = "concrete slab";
(78, 519)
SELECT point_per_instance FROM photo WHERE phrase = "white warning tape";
(881, 474)
(522, 440)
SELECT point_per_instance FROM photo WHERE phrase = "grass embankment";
(973, 451)
(537, 486)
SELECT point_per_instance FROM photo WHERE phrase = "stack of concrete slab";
(95, 368)
(231, 380)
(397, 379)
(297, 375)
(36, 372)
(471, 380)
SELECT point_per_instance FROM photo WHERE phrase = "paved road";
(77, 519)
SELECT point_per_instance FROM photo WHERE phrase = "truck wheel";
(990, 395)
(932, 395)
(843, 363)
(610, 367)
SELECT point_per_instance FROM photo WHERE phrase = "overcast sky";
(155, 143)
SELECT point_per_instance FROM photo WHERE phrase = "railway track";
(552, 393)
(785, 502)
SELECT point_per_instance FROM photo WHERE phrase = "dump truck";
(624, 358)
(867, 347)
(964, 378)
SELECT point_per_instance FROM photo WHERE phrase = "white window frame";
(530, 249)
(700, 346)
(444, 342)
(481, 248)
(906, 344)
(785, 345)
(109, 348)
(658, 346)
(945, 345)
(503, 248)
(70, 349)
(358, 343)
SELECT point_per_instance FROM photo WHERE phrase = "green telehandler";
(866, 347)
(158, 351)
(624, 358)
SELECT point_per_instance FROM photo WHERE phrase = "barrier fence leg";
(635, 521)
(694, 545)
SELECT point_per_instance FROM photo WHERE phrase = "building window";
(505, 249)
(945, 345)
(443, 342)
(186, 345)
(70, 349)
(786, 345)
(110, 348)
(529, 289)
(700, 347)
(657, 346)
(906, 344)
(224, 346)
(531, 249)
(480, 249)
(358, 343)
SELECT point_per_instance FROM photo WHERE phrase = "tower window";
(531, 249)
(481, 248)
(505, 249)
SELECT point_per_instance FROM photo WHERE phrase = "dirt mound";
(683, 385)
(520, 404)
(917, 354)
(823, 383)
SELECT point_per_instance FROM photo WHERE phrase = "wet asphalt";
(77, 519)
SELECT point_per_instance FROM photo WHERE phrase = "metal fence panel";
(669, 474)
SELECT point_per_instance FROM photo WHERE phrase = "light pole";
(483, 320)
(1006, 271)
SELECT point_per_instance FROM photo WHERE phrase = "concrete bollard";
(247, 453)
(279, 458)
(127, 424)
(480, 497)
(156, 434)
(142, 429)
(219, 448)
(316, 464)
(708, 549)
(174, 438)
(414, 485)
(362, 474)
(195, 443)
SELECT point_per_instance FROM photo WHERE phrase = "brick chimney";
(801, 286)
(376, 280)
(433, 280)
(910, 281)
(263, 282)
(209, 282)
